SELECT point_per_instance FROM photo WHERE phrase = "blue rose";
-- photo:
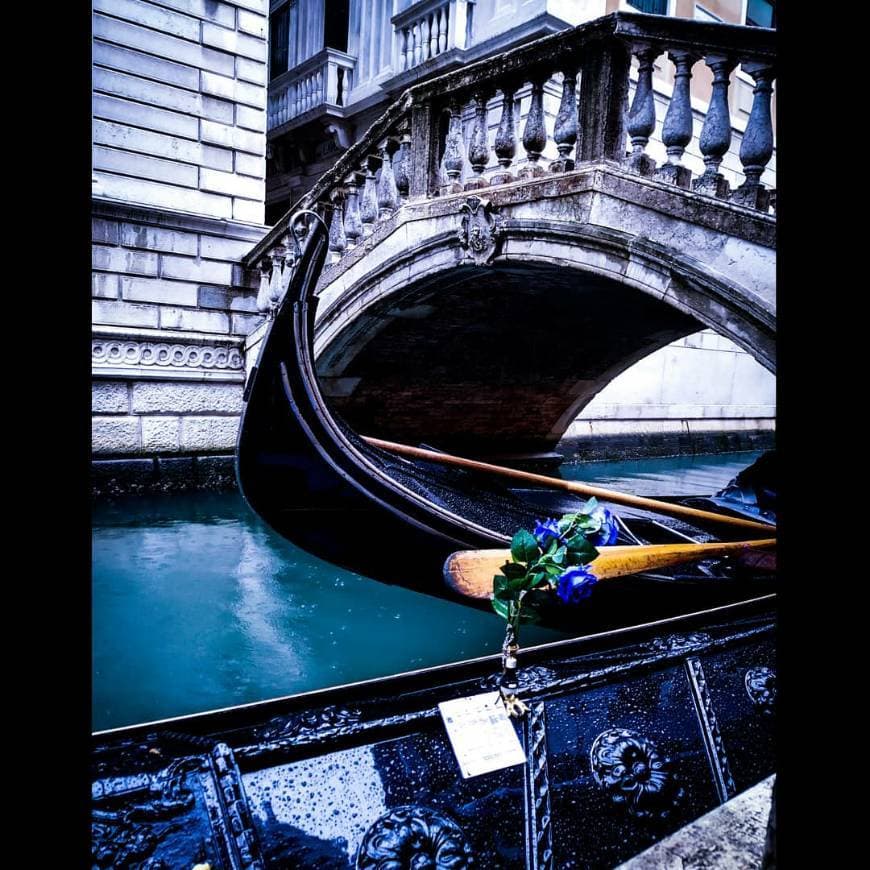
(547, 531)
(608, 531)
(576, 584)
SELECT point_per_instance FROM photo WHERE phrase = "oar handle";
(611, 495)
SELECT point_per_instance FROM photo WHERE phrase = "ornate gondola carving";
(635, 774)
(532, 679)
(311, 722)
(725, 785)
(538, 787)
(761, 687)
(127, 826)
(414, 838)
(672, 643)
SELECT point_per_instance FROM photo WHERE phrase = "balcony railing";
(405, 155)
(323, 81)
(427, 30)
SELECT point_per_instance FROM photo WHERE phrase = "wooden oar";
(470, 572)
(611, 495)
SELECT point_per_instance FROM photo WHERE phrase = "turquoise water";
(197, 605)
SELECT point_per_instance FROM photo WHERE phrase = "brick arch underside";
(491, 360)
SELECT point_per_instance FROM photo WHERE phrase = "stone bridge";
(479, 304)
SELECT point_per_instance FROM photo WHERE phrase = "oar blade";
(470, 572)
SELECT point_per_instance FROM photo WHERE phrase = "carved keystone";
(479, 231)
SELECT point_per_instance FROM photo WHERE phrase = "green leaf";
(581, 549)
(524, 547)
(512, 570)
(500, 608)
(560, 555)
(590, 505)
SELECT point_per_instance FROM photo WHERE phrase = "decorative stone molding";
(480, 230)
(167, 355)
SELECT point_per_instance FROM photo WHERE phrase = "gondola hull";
(319, 485)
(629, 736)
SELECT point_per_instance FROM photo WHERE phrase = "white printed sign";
(481, 734)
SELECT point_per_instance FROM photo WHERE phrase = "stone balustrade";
(418, 149)
(427, 30)
(323, 80)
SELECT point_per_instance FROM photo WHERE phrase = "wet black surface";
(627, 738)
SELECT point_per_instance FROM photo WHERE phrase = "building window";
(336, 25)
(761, 13)
(279, 41)
(652, 7)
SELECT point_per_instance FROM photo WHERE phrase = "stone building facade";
(179, 141)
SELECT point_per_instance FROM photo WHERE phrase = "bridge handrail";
(600, 51)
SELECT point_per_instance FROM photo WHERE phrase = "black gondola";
(629, 736)
(320, 485)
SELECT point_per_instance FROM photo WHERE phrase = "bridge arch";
(498, 350)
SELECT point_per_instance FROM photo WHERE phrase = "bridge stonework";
(438, 326)
(481, 304)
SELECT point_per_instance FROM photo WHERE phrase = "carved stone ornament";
(634, 774)
(112, 352)
(761, 688)
(480, 230)
(414, 838)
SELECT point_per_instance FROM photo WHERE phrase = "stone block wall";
(179, 143)
(171, 308)
(698, 394)
(179, 105)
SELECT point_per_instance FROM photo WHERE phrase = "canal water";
(197, 605)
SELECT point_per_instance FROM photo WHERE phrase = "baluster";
(756, 149)
(295, 99)
(534, 134)
(442, 29)
(505, 137)
(276, 285)
(478, 146)
(388, 194)
(453, 150)
(403, 171)
(406, 48)
(433, 34)
(337, 237)
(677, 128)
(369, 208)
(716, 132)
(565, 128)
(641, 120)
(263, 292)
(424, 38)
(353, 227)
(418, 46)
